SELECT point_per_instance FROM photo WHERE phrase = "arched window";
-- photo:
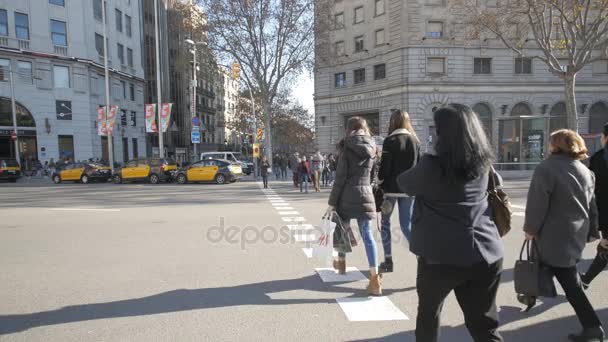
(558, 119)
(485, 115)
(598, 117)
(521, 109)
(24, 117)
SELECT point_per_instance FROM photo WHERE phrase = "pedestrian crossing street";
(356, 309)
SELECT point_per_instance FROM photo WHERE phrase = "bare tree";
(272, 40)
(566, 35)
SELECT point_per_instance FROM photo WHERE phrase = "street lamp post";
(14, 112)
(161, 145)
(194, 84)
(107, 85)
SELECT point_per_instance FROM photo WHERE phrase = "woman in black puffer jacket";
(352, 196)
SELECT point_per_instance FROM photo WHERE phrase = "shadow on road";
(182, 300)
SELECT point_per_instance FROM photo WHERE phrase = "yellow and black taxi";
(210, 170)
(9, 170)
(81, 172)
(153, 170)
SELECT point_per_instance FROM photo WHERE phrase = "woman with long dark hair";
(352, 196)
(400, 152)
(456, 241)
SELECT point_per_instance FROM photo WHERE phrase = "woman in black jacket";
(456, 241)
(352, 196)
(400, 153)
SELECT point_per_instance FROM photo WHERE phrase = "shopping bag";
(344, 239)
(323, 248)
(531, 278)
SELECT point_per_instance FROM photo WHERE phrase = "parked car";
(9, 170)
(210, 170)
(234, 157)
(153, 170)
(81, 172)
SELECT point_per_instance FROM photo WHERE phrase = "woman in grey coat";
(352, 196)
(561, 216)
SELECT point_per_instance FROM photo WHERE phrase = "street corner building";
(54, 51)
(373, 56)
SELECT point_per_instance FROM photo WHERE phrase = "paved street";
(139, 262)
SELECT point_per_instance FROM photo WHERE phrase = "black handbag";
(531, 278)
(500, 204)
(343, 237)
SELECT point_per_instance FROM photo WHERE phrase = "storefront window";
(24, 117)
(485, 115)
(66, 147)
(558, 118)
(598, 117)
(522, 139)
(373, 122)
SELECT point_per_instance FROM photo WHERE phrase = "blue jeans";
(304, 182)
(406, 205)
(365, 228)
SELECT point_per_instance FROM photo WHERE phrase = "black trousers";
(597, 266)
(475, 288)
(265, 180)
(569, 280)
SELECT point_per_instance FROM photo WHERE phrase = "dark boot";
(588, 335)
(386, 266)
(340, 266)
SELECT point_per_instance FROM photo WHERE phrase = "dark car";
(9, 170)
(82, 172)
(210, 170)
(153, 170)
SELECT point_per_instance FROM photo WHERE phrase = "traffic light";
(236, 71)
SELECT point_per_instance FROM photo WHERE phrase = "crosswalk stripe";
(293, 219)
(300, 227)
(304, 237)
(518, 206)
(519, 214)
(329, 275)
(370, 309)
(284, 208)
(288, 213)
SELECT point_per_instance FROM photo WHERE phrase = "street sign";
(196, 128)
(14, 135)
(256, 150)
(195, 137)
(196, 121)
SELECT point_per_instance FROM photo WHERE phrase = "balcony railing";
(23, 44)
(61, 50)
(3, 41)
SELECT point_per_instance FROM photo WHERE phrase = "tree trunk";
(570, 97)
(267, 131)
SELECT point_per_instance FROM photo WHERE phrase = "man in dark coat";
(599, 165)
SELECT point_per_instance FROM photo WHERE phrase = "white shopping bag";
(323, 248)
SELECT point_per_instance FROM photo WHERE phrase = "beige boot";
(340, 265)
(375, 285)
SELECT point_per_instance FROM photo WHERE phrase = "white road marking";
(288, 212)
(519, 214)
(521, 207)
(278, 202)
(308, 252)
(293, 219)
(83, 209)
(283, 208)
(304, 237)
(293, 227)
(329, 275)
(370, 309)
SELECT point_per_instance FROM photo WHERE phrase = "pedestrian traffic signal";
(236, 71)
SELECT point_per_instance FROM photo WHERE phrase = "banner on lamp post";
(111, 119)
(102, 129)
(165, 116)
(151, 118)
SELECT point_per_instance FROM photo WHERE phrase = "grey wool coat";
(561, 210)
(352, 194)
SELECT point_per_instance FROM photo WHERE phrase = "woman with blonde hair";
(400, 152)
(561, 217)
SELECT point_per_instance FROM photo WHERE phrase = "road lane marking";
(519, 214)
(293, 219)
(288, 212)
(308, 253)
(284, 208)
(521, 207)
(370, 309)
(329, 275)
(304, 237)
(83, 209)
(293, 227)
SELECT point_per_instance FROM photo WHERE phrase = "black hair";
(462, 146)
(606, 129)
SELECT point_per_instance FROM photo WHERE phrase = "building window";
(135, 149)
(3, 23)
(379, 7)
(125, 149)
(435, 65)
(598, 116)
(59, 34)
(485, 116)
(482, 66)
(340, 48)
(128, 30)
(359, 76)
(380, 37)
(97, 10)
(61, 76)
(340, 80)
(133, 118)
(600, 66)
(380, 71)
(359, 15)
(521, 109)
(121, 53)
(339, 21)
(63, 109)
(66, 147)
(434, 29)
(22, 26)
(130, 57)
(523, 65)
(123, 117)
(557, 117)
(118, 20)
(131, 92)
(24, 69)
(5, 67)
(359, 45)
(123, 84)
(99, 43)
(57, 2)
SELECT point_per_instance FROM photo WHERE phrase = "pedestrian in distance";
(351, 196)
(400, 152)
(561, 217)
(458, 245)
(264, 170)
(275, 167)
(599, 165)
(295, 165)
(325, 172)
(317, 169)
(332, 164)
(304, 174)
(283, 165)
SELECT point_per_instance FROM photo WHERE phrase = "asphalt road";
(135, 262)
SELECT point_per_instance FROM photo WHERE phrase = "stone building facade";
(376, 55)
